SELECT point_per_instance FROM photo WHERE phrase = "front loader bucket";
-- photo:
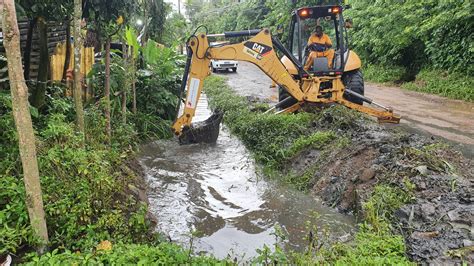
(205, 131)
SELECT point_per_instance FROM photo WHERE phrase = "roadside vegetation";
(430, 48)
(90, 186)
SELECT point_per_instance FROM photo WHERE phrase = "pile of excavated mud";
(438, 221)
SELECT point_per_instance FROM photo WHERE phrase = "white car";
(217, 65)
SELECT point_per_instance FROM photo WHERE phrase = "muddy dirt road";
(426, 114)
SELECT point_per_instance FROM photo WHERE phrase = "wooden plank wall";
(56, 34)
(58, 59)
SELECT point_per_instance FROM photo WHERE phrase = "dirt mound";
(437, 223)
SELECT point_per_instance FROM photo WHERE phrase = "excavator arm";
(260, 50)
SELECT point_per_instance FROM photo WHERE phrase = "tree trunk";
(67, 58)
(77, 66)
(127, 82)
(27, 52)
(38, 96)
(24, 127)
(145, 22)
(134, 89)
(107, 90)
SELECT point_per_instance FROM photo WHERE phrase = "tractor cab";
(303, 24)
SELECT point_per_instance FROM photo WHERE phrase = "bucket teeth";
(390, 119)
(205, 131)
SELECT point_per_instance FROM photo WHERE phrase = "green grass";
(451, 85)
(385, 200)
(383, 74)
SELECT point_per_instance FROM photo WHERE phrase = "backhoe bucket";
(205, 131)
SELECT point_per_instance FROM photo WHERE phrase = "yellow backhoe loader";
(342, 83)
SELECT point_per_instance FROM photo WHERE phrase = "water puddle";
(215, 190)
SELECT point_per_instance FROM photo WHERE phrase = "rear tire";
(354, 80)
(283, 94)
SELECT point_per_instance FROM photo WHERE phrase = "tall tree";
(77, 66)
(134, 47)
(134, 88)
(127, 61)
(108, 17)
(22, 117)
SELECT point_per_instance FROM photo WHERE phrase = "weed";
(301, 182)
(385, 200)
(451, 85)
(340, 119)
(84, 184)
(427, 156)
(316, 140)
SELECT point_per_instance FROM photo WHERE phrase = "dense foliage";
(90, 188)
(83, 184)
(415, 34)
(411, 34)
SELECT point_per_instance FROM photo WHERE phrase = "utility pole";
(179, 7)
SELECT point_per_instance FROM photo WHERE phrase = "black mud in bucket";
(205, 131)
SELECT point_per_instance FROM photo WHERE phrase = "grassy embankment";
(275, 139)
(452, 85)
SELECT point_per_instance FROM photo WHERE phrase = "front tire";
(354, 80)
(214, 70)
(234, 69)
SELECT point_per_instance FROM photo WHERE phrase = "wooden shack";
(29, 41)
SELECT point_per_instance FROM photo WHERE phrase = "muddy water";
(215, 190)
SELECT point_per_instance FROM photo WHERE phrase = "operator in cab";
(319, 45)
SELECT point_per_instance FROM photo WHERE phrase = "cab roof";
(318, 11)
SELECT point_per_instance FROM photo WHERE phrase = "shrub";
(381, 73)
(127, 254)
